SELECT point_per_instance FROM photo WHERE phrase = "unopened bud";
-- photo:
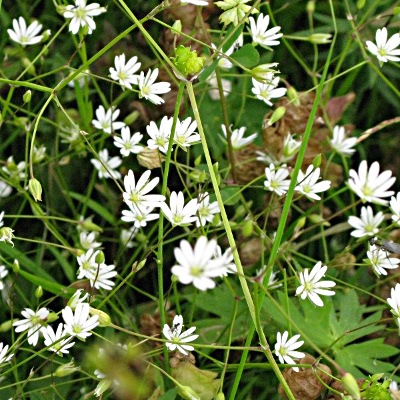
(51, 317)
(247, 228)
(65, 370)
(360, 4)
(293, 96)
(132, 117)
(6, 326)
(310, 7)
(351, 386)
(27, 96)
(220, 396)
(15, 266)
(300, 223)
(317, 161)
(100, 258)
(104, 318)
(318, 219)
(177, 27)
(90, 226)
(35, 188)
(276, 115)
(136, 267)
(320, 38)
(102, 386)
(39, 292)
(187, 393)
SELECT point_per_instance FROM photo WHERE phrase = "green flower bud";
(27, 96)
(39, 292)
(26, 62)
(6, 326)
(52, 317)
(310, 7)
(318, 219)
(187, 393)
(247, 229)
(177, 27)
(100, 258)
(360, 4)
(35, 188)
(132, 117)
(317, 161)
(300, 223)
(90, 226)
(276, 115)
(188, 63)
(15, 267)
(320, 38)
(351, 386)
(136, 267)
(104, 318)
(220, 396)
(102, 386)
(293, 96)
(65, 370)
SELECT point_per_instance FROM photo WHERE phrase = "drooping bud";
(317, 161)
(351, 386)
(104, 318)
(100, 257)
(293, 96)
(35, 188)
(39, 292)
(320, 38)
(276, 115)
(65, 370)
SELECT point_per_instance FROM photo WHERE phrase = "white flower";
(312, 286)
(150, 90)
(206, 210)
(107, 166)
(127, 236)
(139, 216)
(88, 240)
(199, 265)
(195, 2)
(58, 341)
(261, 34)
(394, 302)
(368, 224)
(237, 137)
(3, 274)
(177, 339)
(4, 357)
(79, 324)
(267, 91)
(81, 15)
(34, 321)
(159, 137)
(127, 143)
(286, 349)
(185, 134)
(379, 260)
(124, 73)
(369, 185)
(87, 263)
(137, 195)
(5, 189)
(178, 213)
(340, 143)
(307, 183)
(106, 121)
(1, 219)
(276, 179)
(25, 35)
(76, 299)
(16, 172)
(385, 50)
(213, 82)
(227, 263)
(223, 61)
(395, 207)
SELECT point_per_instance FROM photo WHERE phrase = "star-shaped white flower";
(106, 165)
(176, 338)
(124, 72)
(185, 134)
(106, 120)
(59, 341)
(139, 216)
(206, 211)
(81, 15)
(127, 143)
(177, 212)
(286, 349)
(340, 143)
(394, 302)
(4, 357)
(368, 224)
(79, 323)
(5, 189)
(308, 184)
(385, 50)
(369, 185)
(395, 207)
(34, 321)
(276, 179)
(237, 137)
(267, 91)
(199, 265)
(261, 34)
(25, 35)
(159, 137)
(312, 286)
(380, 261)
(149, 89)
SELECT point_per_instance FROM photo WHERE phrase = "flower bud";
(220, 396)
(360, 4)
(320, 38)
(177, 27)
(90, 226)
(132, 117)
(51, 317)
(27, 96)
(276, 115)
(318, 219)
(101, 387)
(136, 267)
(35, 188)
(187, 393)
(15, 267)
(6, 326)
(75, 299)
(100, 258)
(317, 161)
(104, 318)
(293, 96)
(247, 228)
(65, 370)
(310, 7)
(39, 292)
(351, 386)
